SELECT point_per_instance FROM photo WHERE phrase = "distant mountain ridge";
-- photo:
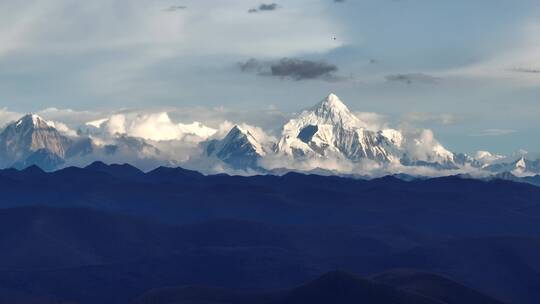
(333, 287)
(32, 140)
(110, 233)
(326, 137)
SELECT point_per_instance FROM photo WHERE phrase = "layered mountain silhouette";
(334, 287)
(114, 234)
(432, 286)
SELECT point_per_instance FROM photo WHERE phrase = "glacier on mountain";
(330, 129)
(327, 137)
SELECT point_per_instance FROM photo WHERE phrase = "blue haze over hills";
(113, 234)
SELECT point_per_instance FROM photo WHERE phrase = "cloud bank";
(153, 126)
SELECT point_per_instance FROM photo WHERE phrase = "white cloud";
(69, 117)
(366, 167)
(333, 164)
(116, 124)
(62, 128)
(422, 145)
(153, 126)
(257, 132)
(487, 157)
(7, 116)
(271, 120)
(373, 121)
(419, 144)
(159, 126)
(96, 123)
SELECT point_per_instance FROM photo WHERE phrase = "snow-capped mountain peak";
(487, 158)
(521, 164)
(239, 149)
(32, 121)
(333, 111)
(327, 135)
(330, 129)
(330, 104)
(196, 129)
(395, 136)
(524, 167)
(237, 134)
(28, 135)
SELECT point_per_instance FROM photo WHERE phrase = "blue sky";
(469, 70)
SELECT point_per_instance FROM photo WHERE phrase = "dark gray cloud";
(298, 69)
(339, 1)
(292, 68)
(264, 7)
(252, 65)
(411, 78)
(174, 8)
(526, 70)
(268, 7)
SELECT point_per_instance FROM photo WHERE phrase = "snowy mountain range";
(329, 132)
(327, 137)
(31, 140)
